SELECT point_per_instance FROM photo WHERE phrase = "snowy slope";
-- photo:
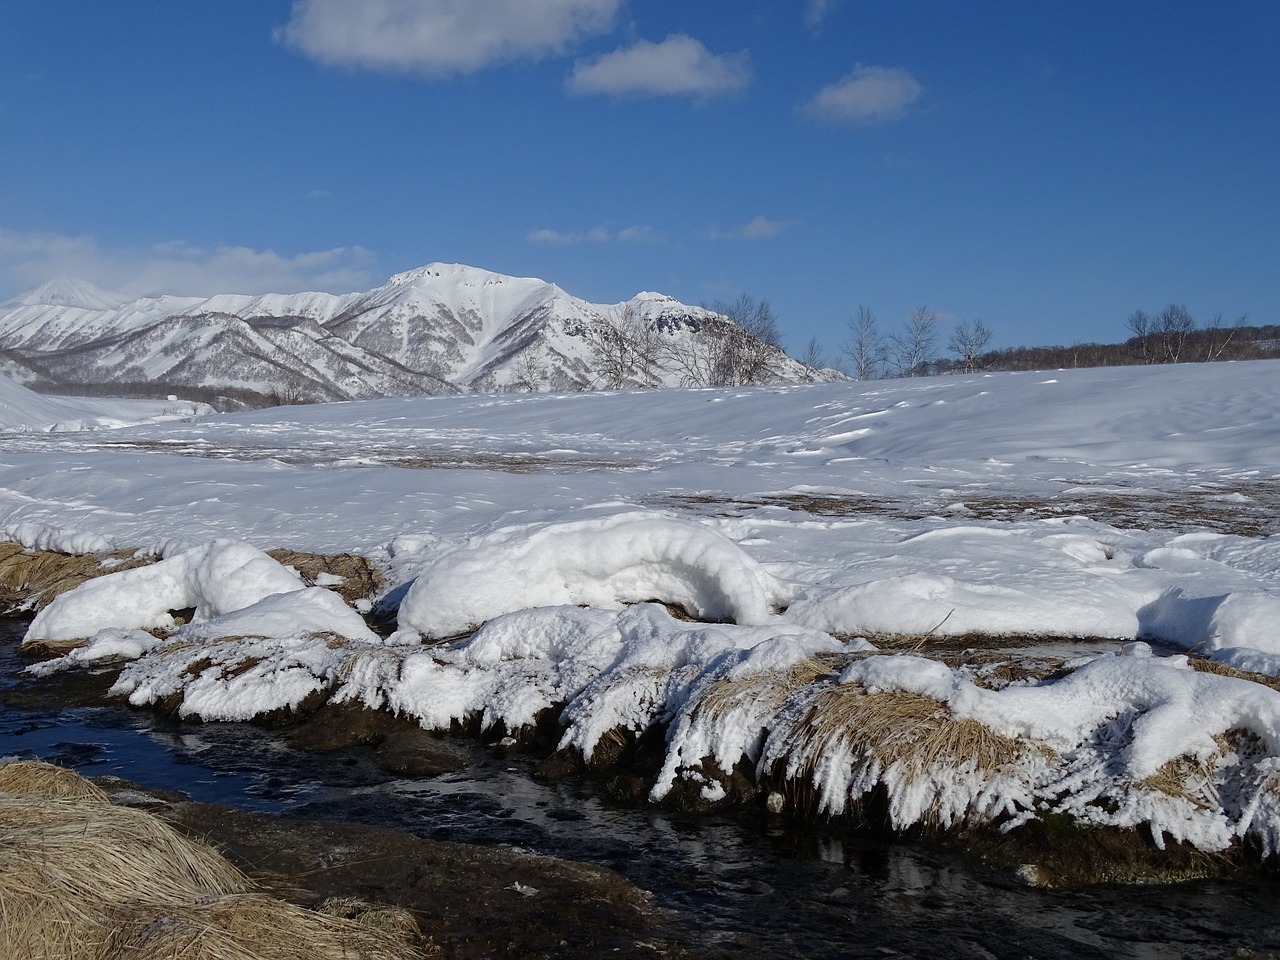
(23, 410)
(431, 331)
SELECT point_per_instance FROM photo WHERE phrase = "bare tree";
(528, 373)
(967, 342)
(1216, 341)
(911, 348)
(1172, 327)
(751, 346)
(1142, 327)
(625, 350)
(813, 358)
(738, 344)
(863, 351)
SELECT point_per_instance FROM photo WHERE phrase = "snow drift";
(609, 561)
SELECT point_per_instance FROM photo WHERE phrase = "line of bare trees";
(1171, 335)
(910, 351)
(737, 343)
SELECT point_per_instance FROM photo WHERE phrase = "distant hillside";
(443, 328)
(1202, 344)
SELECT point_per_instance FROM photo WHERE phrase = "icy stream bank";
(826, 895)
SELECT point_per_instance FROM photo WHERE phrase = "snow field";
(521, 594)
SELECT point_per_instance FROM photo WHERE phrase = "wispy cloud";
(866, 95)
(815, 13)
(637, 233)
(679, 66)
(178, 267)
(440, 37)
(757, 228)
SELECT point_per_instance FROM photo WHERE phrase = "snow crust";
(1122, 521)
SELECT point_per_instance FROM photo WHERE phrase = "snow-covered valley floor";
(838, 546)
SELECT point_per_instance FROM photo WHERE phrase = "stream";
(755, 885)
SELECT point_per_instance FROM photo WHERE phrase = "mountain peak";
(66, 292)
(448, 272)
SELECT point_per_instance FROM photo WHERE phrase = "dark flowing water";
(757, 887)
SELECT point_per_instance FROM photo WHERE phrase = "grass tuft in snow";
(83, 879)
(906, 742)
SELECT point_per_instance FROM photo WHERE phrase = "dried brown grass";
(35, 778)
(766, 690)
(249, 926)
(36, 577)
(1186, 778)
(1226, 670)
(82, 879)
(393, 920)
(360, 578)
(900, 728)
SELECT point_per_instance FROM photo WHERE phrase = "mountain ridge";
(440, 328)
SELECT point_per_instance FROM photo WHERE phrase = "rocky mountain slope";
(443, 328)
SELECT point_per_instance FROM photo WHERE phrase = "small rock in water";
(775, 802)
(1031, 875)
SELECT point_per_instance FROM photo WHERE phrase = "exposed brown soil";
(1247, 509)
(414, 459)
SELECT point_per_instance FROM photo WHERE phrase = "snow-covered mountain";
(442, 328)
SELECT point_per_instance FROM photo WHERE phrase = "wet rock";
(414, 752)
(341, 726)
(559, 766)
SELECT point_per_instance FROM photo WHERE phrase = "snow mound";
(604, 562)
(1215, 624)
(259, 641)
(39, 536)
(266, 657)
(935, 604)
(214, 579)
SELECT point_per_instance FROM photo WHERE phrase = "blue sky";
(1045, 167)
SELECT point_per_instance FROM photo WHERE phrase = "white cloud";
(760, 228)
(757, 228)
(679, 66)
(552, 238)
(637, 233)
(440, 37)
(815, 13)
(178, 267)
(866, 95)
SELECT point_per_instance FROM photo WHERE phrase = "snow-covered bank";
(1123, 505)
(23, 410)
